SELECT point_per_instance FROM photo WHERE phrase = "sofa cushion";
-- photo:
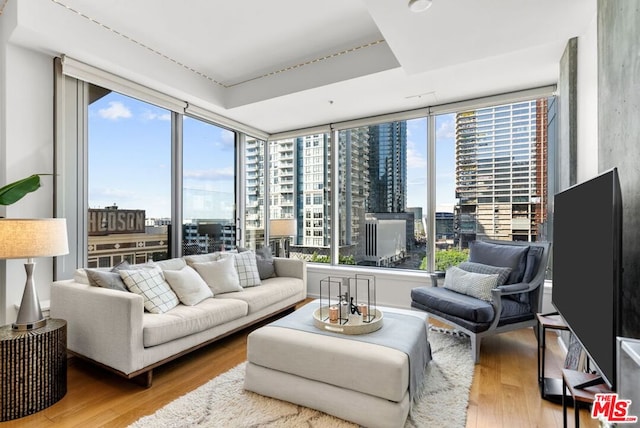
(151, 285)
(220, 275)
(503, 272)
(184, 320)
(478, 285)
(512, 256)
(271, 291)
(188, 285)
(245, 264)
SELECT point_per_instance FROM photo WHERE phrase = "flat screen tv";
(587, 266)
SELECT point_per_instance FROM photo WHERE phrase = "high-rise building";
(501, 168)
(312, 198)
(388, 167)
(299, 182)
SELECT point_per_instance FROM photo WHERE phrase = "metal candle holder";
(350, 295)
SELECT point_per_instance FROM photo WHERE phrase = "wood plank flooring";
(504, 391)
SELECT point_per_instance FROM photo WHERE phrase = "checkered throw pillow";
(151, 285)
(247, 268)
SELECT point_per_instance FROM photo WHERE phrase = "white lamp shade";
(282, 227)
(35, 237)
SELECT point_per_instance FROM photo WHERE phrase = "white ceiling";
(279, 65)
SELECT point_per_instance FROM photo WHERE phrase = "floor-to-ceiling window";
(299, 198)
(254, 226)
(129, 179)
(130, 171)
(208, 188)
(481, 168)
(382, 194)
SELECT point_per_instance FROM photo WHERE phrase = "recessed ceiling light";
(419, 5)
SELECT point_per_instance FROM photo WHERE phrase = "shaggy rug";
(222, 402)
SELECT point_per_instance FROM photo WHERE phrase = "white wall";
(26, 146)
(588, 102)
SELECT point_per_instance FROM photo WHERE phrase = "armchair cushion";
(503, 272)
(445, 301)
(477, 285)
(466, 311)
(514, 257)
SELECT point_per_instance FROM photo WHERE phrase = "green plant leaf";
(15, 191)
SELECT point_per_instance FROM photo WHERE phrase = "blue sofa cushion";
(511, 256)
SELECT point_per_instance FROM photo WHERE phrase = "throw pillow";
(245, 264)
(514, 257)
(150, 284)
(220, 275)
(477, 285)
(188, 285)
(503, 272)
(202, 258)
(264, 259)
(108, 279)
(264, 262)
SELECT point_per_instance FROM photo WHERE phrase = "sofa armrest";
(295, 268)
(102, 324)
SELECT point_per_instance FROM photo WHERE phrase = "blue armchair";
(498, 289)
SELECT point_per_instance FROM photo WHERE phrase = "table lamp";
(27, 239)
(282, 228)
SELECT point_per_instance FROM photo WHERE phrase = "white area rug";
(222, 402)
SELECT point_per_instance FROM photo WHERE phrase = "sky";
(417, 163)
(130, 161)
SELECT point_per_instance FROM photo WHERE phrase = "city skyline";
(135, 136)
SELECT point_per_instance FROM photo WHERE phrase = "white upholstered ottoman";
(361, 382)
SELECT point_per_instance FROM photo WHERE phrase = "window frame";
(71, 80)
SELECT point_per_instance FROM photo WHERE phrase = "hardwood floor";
(504, 391)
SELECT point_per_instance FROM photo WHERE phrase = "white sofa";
(112, 329)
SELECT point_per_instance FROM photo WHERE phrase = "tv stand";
(551, 389)
(588, 383)
(583, 387)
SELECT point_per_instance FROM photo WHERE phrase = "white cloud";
(115, 111)
(149, 115)
(447, 129)
(226, 140)
(415, 159)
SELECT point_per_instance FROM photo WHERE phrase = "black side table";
(33, 368)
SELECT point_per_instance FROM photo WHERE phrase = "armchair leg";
(475, 347)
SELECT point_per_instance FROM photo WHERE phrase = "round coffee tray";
(355, 325)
